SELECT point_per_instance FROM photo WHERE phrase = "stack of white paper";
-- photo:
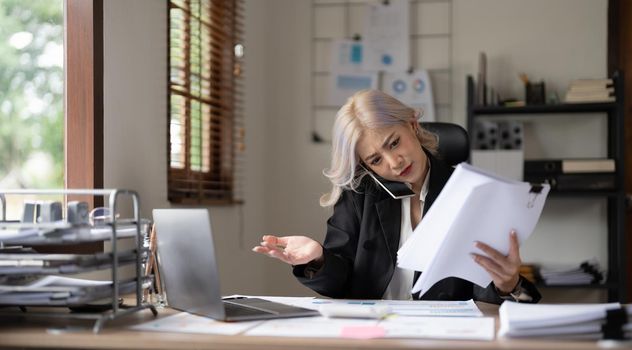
(585, 273)
(577, 321)
(474, 206)
(57, 290)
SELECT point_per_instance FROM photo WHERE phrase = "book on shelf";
(604, 82)
(569, 166)
(594, 98)
(590, 90)
(574, 182)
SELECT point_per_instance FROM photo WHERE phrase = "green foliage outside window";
(31, 94)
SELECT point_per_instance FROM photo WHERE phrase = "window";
(206, 131)
(31, 96)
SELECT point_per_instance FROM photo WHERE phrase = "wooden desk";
(40, 333)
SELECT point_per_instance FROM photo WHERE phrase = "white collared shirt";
(402, 281)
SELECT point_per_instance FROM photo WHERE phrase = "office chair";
(454, 144)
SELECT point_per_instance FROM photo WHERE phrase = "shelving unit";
(64, 233)
(614, 111)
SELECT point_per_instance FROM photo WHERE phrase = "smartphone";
(397, 190)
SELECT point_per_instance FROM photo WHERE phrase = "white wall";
(557, 40)
(294, 164)
(135, 129)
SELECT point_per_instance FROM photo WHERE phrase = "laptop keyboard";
(234, 310)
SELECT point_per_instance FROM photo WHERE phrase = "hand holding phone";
(397, 190)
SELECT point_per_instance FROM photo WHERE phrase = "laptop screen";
(186, 258)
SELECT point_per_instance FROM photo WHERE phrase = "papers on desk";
(62, 232)
(27, 262)
(481, 328)
(56, 290)
(187, 323)
(432, 323)
(473, 206)
(571, 321)
(391, 327)
(466, 308)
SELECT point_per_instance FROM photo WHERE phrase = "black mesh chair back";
(454, 144)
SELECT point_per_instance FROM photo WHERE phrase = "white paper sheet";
(410, 319)
(473, 206)
(347, 72)
(187, 323)
(412, 88)
(316, 327)
(450, 308)
(60, 281)
(466, 308)
(392, 327)
(439, 327)
(387, 36)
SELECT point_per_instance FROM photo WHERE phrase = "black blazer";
(361, 244)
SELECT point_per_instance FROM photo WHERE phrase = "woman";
(375, 132)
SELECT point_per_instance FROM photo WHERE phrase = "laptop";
(187, 263)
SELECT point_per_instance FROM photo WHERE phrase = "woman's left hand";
(505, 270)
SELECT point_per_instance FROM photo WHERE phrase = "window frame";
(83, 107)
(223, 132)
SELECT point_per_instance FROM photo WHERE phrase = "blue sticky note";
(356, 53)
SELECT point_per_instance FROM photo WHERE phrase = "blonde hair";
(366, 109)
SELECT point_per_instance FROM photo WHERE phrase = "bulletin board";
(430, 49)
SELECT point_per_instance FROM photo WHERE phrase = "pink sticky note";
(362, 332)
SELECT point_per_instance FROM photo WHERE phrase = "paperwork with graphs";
(474, 206)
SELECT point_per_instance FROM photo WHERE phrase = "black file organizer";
(614, 112)
(114, 310)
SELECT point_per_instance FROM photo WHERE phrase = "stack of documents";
(473, 206)
(60, 232)
(586, 273)
(571, 321)
(409, 319)
(32, 263)
(55, 290)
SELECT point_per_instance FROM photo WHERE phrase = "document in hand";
(473, 206)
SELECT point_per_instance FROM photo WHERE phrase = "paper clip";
(535, 190)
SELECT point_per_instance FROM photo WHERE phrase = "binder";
(568, 166)
(575, 182)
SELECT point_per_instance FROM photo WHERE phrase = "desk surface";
(40, 333)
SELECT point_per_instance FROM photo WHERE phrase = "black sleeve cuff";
(519, 293)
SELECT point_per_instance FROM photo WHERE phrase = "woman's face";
(394, 153)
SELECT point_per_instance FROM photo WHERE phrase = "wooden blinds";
(206, 131)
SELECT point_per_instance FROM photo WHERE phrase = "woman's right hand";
(294, 250)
